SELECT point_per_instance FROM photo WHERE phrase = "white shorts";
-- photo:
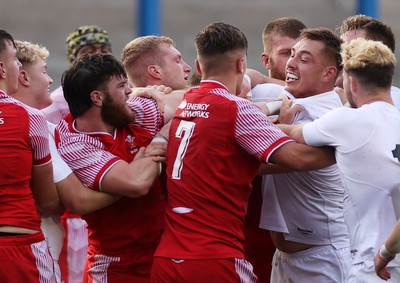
(317, 264)
(362, 272)
(77, 247)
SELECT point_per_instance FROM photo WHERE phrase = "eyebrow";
(302, 52)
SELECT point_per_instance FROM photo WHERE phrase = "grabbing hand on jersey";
(157, 150)
(287, 112)
(156, 92)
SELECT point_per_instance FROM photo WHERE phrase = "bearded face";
(116, 114)
(276, 71)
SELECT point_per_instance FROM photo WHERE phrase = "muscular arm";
(131, 179)
(172, 102)
(167, 99)
(272, 169)
(294, 131)
(257, 78)
(300, 157)
(44, 190)
(81, 200)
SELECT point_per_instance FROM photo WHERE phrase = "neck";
(3, 86)
(229, 81)
(382, 96)
(91, 121)
(24, 98)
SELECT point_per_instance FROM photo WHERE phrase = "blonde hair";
(141, 52)
(28, 52)
(141, 46)
(360, 53)
(372, 62)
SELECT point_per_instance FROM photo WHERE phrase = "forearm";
(392, 243)
(146, 171)
(133, 179)
(300, 157)
(172, 101)
(81, 200)
(293, 131)
(387, 252)
(272, 169)
(257, 77)
(44, 191)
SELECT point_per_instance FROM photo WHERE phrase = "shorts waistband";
(311, 251)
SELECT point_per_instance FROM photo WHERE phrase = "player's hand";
(156, 150)
(154, 92)
(342, 95)
(162, 88)
(140, 153)
(287, 112)
(380, 267)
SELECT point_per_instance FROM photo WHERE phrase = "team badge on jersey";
(130, 140)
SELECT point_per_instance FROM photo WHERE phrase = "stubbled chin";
(289, 86)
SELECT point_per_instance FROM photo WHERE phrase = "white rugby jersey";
(367, 143)
(309, 205)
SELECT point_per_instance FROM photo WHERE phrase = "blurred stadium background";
(48, 22)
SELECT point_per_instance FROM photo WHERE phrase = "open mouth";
(291, 77)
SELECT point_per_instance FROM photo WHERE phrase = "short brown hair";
(289, 27)
(374, 29)
(331, 41)
(216, 41)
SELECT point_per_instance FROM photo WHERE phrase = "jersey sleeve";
(263, 92)
(256, 133)
(147, 114)
(61, 170)
(39, 137)
(323, 131)
(85, 155)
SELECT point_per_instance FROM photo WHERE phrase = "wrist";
(384, 252)
(385, 255)
(159, 138)
(273, 106)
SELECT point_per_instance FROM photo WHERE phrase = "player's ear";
(198, 66)
(265, 60)
(241, 65)
(23, 78)
(353, 82)
(97, 98)
(154, 71)
(329, 73)
(2, 70)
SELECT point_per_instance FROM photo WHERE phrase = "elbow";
(53, 207)
(77, 207)
(140, 189)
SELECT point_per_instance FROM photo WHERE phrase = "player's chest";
(124, 144)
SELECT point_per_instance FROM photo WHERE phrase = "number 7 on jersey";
(184, 132)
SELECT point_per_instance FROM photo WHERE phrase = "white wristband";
(159, 138)
(247, 78)
(384, 252)
(273, 106)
